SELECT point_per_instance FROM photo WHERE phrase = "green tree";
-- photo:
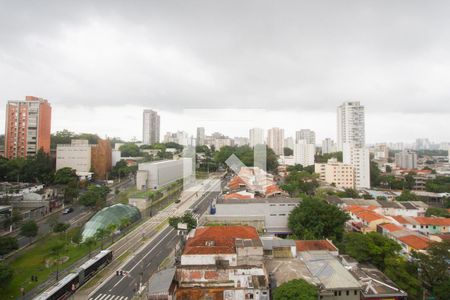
(39, 168)
(316, 219)
(442, 290)
(61, 227)
(349, 193)
(371, 248)
(65, 175)
(94, 196)
(437, 212)
(323, 158)
(433, 266)
(100, 235)
(29, 229)
(71, 191)
(374, 174)
(6, 275)
(297, 289)
(301, 182)
(129, 150)
(407, 195)
(288, 151)
(56, 249)
(8, 244)
(111, 229)
(397, 270)
(90, 244)
(187, 218)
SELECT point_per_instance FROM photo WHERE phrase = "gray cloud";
(286, 55)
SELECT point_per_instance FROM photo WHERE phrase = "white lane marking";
(140, 261)
(102, 296)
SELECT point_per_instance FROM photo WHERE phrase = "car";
(67, 210)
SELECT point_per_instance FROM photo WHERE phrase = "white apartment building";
(407, 159)
(275, 140)
(200, 141)
(240, 141)
(337, 173)
(328, 146)
(289, 143)
(304, 153)
(76, 155)
(359, 158)
(222, 142)
(350, 124)
(305, 134)
(381, 152)
(256, 137)
(150, 127)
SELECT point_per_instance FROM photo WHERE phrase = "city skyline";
(194, 58)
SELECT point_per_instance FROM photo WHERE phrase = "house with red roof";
(425, 225)
(364, 219)
(222, 262)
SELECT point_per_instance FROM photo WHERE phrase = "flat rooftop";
(286, 200)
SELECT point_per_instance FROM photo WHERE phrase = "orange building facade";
(27, 127)
(101, 160)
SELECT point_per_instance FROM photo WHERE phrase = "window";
(356, 292)
(339, 293)
(347, 293)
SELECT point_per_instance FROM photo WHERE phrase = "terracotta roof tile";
(391, 227)
(311, 245)
(415, 242)
(218, 239)
(237, 196)
(369, 216)
(433, 221)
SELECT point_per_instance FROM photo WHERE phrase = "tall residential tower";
(27, 128)
(150, 131)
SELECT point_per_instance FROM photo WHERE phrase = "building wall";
(207, 259)
(275, 140)
(304, 153)
(342, 175)
(359, 158)
(27, 127)
(351, 125)
(256, 137)
(76, 156)
(151, 127)
(101, 158)
(162, 173)
(275, 214)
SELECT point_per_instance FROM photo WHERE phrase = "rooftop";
(311, 245)
(415, 241)
(391, 227)
(328, 270)
(161, 282)
(258, 200)
(218, 239)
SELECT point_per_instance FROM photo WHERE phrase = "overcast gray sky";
(101, 63)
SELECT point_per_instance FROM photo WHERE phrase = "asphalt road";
(146, 262)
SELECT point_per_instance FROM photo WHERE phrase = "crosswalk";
(108, 297)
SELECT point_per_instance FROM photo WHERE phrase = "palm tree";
(124, 223)
(100, 235)
(111, 229)
(90, 242)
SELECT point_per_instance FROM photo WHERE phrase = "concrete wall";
(275, 214)
(200, 260)
(161, 173)
(75, 156)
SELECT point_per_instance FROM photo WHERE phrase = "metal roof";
(160, 282)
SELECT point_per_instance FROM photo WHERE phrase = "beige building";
(337, 173)
(76, 155)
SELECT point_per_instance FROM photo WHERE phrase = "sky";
(241, 64)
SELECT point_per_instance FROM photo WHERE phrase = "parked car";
(67, 210)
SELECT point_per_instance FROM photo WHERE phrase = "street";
(144, 263)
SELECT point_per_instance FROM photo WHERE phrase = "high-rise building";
(289, 143)
(200, 136)
(407, 159)
(256, 137)
(328, 146)
(304, 153)
(359, 158)
(151, 127)
(275, 140)
(27, 128)
(350, 125)
(305, 134)
(351, 141)
(423, 144)
(381, 152)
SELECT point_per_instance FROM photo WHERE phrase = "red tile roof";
(369, 216)
(400, 219)
(237, 196)
(218, 239)
(433, 221)
(311, 245)
(236, 182)
(415, 242)
(354, 208)
(391, 227)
